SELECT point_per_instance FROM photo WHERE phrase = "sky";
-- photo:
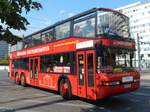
(57, 10)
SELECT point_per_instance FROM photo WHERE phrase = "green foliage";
(11, 17)
(4, 60)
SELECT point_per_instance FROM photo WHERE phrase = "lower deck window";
(21, 63)
(58, 63)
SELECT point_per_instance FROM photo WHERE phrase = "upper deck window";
(27, 42)
(85, 28)
(113, 24)
(63, 30)
(36, 39)
(47, 36)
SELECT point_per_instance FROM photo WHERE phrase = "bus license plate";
(127, 79)
(127, 85)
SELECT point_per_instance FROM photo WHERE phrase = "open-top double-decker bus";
(89, 55)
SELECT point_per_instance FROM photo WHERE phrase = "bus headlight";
(136, 80)
(111, 83)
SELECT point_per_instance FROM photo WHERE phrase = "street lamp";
(139, 50)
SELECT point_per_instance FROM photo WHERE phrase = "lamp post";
(138, 47)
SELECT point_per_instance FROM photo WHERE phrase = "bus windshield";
(112, 24)
(110, 61)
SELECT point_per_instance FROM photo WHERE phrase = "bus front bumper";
(106, 91)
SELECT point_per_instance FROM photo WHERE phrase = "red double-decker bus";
(90, 55)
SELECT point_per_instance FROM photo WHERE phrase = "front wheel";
(65, 89)
(17, 81)
(23, 80)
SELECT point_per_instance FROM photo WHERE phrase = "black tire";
(67, 95)
(23, 80)
(17, 80)
(8, 74)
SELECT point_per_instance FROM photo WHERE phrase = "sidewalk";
(145, 76)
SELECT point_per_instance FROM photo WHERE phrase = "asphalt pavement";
(15, 98)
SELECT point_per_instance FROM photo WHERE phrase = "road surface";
(14, 98)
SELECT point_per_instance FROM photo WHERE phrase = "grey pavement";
(145, 76)
(14, 98)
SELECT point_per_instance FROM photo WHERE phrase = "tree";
(4, 60)
(11, 17)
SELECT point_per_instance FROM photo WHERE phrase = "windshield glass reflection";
(112, 61)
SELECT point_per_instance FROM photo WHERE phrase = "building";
(3, 49)
(139, 14)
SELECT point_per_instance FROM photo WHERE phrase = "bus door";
(86, 73)
(34, 70)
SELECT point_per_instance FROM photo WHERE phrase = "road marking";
(54, 96)
(34, 101)
(141, 94)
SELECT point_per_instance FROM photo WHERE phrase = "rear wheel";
(65, 89)
(23, 80)
(17, 81)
